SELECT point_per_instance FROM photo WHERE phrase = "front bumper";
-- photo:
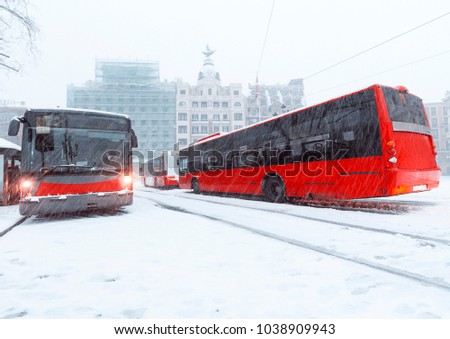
(73, 203)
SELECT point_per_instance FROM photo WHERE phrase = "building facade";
(439, 115)
(132, 88)
(266, 101)
(208, 107)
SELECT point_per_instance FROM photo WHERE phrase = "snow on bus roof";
(76, 110)
(5, 144)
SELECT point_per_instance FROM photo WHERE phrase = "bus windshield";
(404, 107)
(65, 142)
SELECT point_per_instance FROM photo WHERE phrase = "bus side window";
(183, 165)
(249, 158)
(232, 160)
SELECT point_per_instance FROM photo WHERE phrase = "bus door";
(9, 179)
(2, 179)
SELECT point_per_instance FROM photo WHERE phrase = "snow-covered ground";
(173, 254)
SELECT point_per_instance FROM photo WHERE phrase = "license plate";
(419, 188)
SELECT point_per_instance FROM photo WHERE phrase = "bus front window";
(80, 147)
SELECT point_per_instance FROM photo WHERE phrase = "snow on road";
(150, 262)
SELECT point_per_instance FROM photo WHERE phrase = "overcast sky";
(304, 37)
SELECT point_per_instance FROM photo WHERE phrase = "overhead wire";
(265, 38)
(378, 73)
(376, 46)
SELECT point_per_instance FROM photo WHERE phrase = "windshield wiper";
(105, 169)
(77, 169)
(68, 168)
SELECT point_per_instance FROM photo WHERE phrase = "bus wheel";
(274, 189)
(195, 186)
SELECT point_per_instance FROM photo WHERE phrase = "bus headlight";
(27, 188)
(127, 180)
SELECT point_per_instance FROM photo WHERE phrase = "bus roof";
(5, 144)
(76, 111)
(214, 136)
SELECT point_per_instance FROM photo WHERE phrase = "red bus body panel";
(350, 178)
(51, 188)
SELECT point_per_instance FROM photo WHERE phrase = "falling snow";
(173, 254)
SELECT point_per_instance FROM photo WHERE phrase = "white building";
(439, 117)
(208, 107)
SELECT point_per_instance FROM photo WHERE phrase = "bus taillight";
(391, 152)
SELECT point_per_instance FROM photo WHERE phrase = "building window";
(209, 91)
(225, 117)
(216, 129)
(182, 129)
(194, 104)
(182, 116)
(433, 122)
(182, 142)
(238, 116)
(236, 92)
(204, 117)
(225, 129)
(195, 130)
(204, 129)
(216, 104)
(224, 104)
(237, 127)
(237, 104)
(216, 117)
(204, 104)
(433, 111)
(194, 117)
(182, 103)
(182, 91)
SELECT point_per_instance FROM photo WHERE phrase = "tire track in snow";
(338, 223)
(17, 223)
(323, 250)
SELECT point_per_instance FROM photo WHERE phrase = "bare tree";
(17, 33)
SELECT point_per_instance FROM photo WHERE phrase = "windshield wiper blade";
(106, 169)
(72, 167)
(77, 169)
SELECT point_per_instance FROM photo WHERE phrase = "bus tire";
(195, 186)
(274, 189)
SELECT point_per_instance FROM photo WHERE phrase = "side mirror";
(14, 127)
(134, 140)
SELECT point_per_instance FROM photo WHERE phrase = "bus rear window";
(404, 107)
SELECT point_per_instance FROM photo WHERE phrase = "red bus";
(160, 172)
(371, 143)
(74, 160)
